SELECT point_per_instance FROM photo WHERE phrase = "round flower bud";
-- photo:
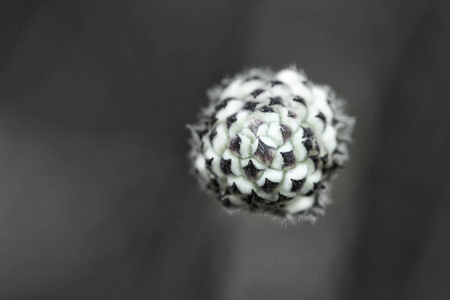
(270, 142)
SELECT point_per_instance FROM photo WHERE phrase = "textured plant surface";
(270, 142)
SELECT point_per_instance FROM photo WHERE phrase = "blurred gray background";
(96, 200)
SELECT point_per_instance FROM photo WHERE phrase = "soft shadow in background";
(96, 201)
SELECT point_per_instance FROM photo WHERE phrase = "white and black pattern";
(269, 142)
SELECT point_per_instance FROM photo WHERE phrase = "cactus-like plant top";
(270, 142)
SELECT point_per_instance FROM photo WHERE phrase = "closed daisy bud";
(270, 143)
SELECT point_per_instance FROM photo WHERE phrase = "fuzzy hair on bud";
(269, 142)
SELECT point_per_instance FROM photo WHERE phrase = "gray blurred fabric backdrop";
(96, 200)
